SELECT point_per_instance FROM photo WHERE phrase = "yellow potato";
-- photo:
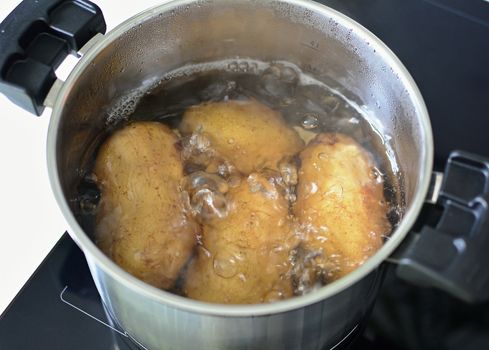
(141, 222)
(244, 256)
(340, 204)
(247, 133)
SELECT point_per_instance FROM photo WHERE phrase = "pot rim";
(93, 253)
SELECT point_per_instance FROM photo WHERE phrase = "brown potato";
(141, 222)
(247, 133)
(244, 256)
(340, 204)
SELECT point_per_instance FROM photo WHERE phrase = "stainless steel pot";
(321, 41)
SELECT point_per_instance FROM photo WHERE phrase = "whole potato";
(244, 256)
(141, 222)
(340, 204)
(247, 133)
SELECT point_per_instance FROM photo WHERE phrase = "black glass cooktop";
(59, 308)
(445, 45)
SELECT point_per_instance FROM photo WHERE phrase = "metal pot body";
(329, 46)
(156, 325)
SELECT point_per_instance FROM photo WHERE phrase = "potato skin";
(340, 204)
(244, 257)
(141, 223)
(247, 133)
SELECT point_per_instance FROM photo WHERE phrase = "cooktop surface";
(59, 308)
(445, 46)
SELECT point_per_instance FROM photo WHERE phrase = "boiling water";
(306, 104)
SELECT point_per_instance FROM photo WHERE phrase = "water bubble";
(199, 142)
(207, 204)
(233, 66)
(202, 180)
(289, 75)
(312, 188)
(288, 171)
(226, 169)
(279, 81)
(274, 295)
(323, 156)
(123, 108)
(231, 141)
(264, 186)
(376, 175)
(254, 186)
(310, 121)
(243, 66)
(290, 196)
(273, 70)
(88, 205)
(225, 265)
(372, 235)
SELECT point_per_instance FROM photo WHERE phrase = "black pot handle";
(454, 254)
(35, 38)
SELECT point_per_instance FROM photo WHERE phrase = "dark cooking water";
(306, 104)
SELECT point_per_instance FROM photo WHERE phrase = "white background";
(30, 222)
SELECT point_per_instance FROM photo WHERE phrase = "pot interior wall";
(324, 45)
